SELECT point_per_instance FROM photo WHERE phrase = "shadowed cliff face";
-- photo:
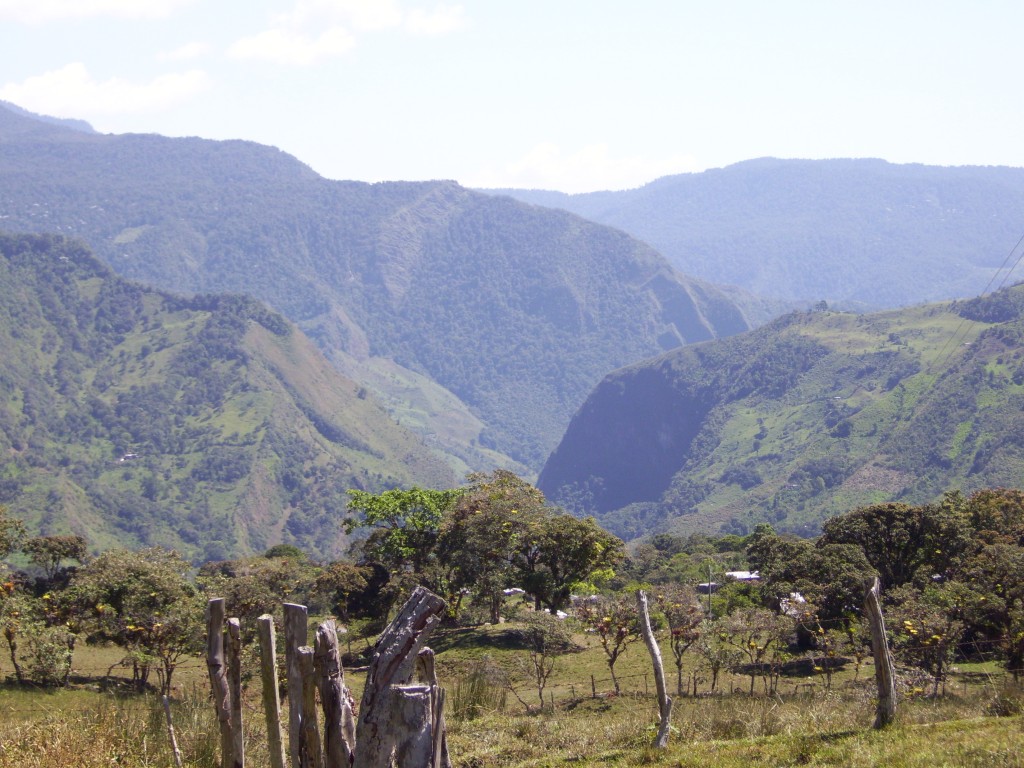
(627, 441)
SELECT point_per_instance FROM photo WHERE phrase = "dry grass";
(93, 726)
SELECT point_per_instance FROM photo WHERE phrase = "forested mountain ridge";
(810, 416)
(208, 424)
(515, 310)
(857, 233)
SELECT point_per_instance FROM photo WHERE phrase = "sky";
(572, 95)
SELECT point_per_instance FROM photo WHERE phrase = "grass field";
(99, 722)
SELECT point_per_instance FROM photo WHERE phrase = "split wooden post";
(885, 670)
(310, 750)
(170, 732)
(335, 698)
(234, 653)
(218, 678)
(295, 632)
(271, 695)
(664, 700)
(393, 713)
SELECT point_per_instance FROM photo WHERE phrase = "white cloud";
(41, 11)
(72, 92)
(286, 46)
(186, 52)
(589, 169)
(295, 38)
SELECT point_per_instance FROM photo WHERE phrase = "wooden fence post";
(885, 670)
(339, 719)
(218, 678)
(295, 633)
(379, 732)
(664, 700)
(310, 752)
(271, 694)
(234, 654)
(170, 732)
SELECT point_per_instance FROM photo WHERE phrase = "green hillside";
(515, 311)
(208, 424)
(810, 416)
(857, 233)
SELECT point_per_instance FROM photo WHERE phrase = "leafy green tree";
(12, 532)
(928, 625)
(143, 602)
(40, 652)
(565, 551)
(997, 515)
(252, 586)
(404, 527)
(996, 615)
(899, 540)
(48, 552)
(481, 538)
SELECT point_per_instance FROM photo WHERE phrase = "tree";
(715, 650)
(144, 602)
(545, 638)
(898, 540)
(565, 551)
(996, 614)
(12, 532)
(481, 537)
(616, 622)
(48, 552)
(929, 624)
(757, 634)
(685, 617)
(404, 527)
(997, 515)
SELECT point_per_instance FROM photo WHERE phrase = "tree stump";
(396, 718)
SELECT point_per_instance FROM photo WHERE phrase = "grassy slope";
(808, 417)
(240, 433)
(719, 731)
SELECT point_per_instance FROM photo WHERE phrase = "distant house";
(128, 457)
(744, 575)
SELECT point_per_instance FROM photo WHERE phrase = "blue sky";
(555, 94)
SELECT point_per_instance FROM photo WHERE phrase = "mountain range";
(809, 416)
(482, 322)
(858, 234)
(208, 424)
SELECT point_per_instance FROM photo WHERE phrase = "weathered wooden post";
(396, 717)
(664, 700)
(218, 678)
(271, 696)
(234, 654)
(310, 750)
(170, 733)
(885, 670)
(295, 632)
(335, 698)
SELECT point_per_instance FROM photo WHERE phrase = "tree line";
(951, 573)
